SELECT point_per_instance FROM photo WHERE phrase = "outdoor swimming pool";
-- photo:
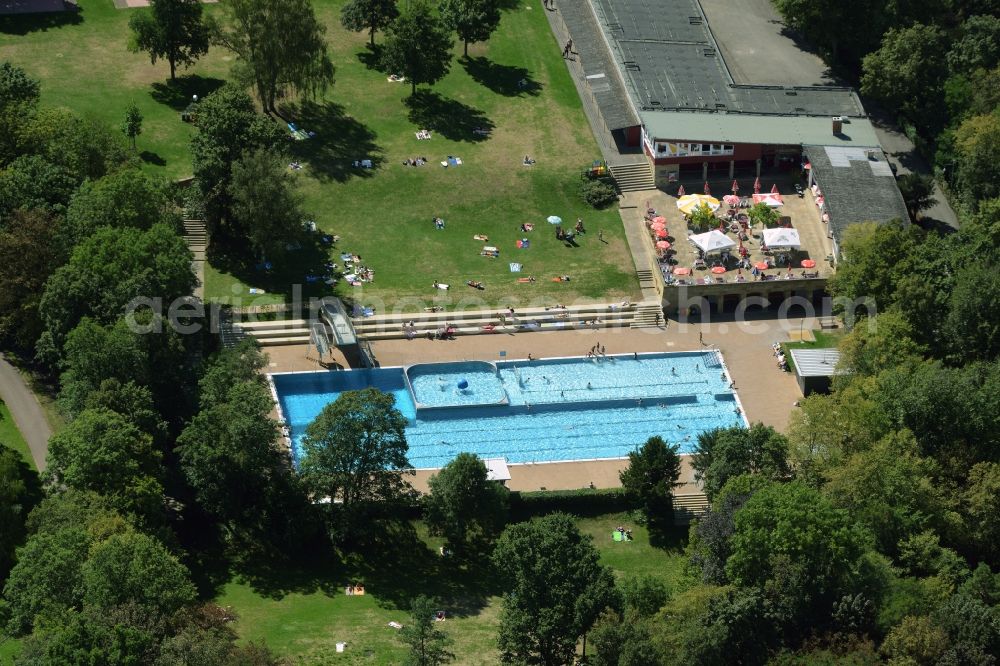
(533, 411)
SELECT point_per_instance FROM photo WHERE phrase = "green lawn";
(383, 214)
(11, 436)
(306, 624)
(824, 340)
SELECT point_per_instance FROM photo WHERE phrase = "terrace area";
(680, 261)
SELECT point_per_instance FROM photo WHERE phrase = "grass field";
(306, 624)
(383, 214)
(10, 436)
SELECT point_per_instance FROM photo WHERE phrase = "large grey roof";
(857, 185)
(816, 362)
(602, 75)
(671, 61)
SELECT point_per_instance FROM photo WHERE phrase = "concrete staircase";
(687, 507)
(599, 315)
(272, 333)
(648, 315)
(633, 177)
(196, 237)
(647, 280)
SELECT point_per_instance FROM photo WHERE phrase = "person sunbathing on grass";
(475, 284)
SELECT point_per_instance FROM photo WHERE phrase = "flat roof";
(746, 128)
(496, 469)
(671, 62)
(857, 186)
(816, 362)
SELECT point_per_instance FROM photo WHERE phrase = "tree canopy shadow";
(448, 117)
(506, 80)
(24, 24)
(150, 157)
(177, 93)
(302, 267)
(340, 141)
(396, 566)
(371, 58)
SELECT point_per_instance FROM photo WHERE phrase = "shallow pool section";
(533, 411)
(456, 384)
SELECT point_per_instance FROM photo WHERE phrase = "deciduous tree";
(267, 206)
(724, 453)
(137, 569)
(228, 125)
(125, 198)
(109, 269)
(428, 644)
(174, 30)
(20, 491)
(100, 451)
(132, 124)
(355, 452)
(418, 45)
(282, 46)
(465, 507)
(370, 15)
(650, 479)
(555, 590)
(31, 248)
(795, 522)
(473, 20)
(908, 71)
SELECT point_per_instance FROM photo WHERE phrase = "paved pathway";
(27, 413)
(904, 156)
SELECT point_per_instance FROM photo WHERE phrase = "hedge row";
(586, 502)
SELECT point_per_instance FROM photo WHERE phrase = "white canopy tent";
(713, 241)
(782, 237)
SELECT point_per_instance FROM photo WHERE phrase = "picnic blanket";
(515, 267)
(617, 536)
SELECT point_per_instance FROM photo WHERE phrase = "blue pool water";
(533, 411)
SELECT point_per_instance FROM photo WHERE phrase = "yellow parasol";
(689, 202)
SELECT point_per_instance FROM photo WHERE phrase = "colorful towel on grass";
(515, 267)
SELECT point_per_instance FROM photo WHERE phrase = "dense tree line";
(934, 64)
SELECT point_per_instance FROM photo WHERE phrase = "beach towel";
(255, 290)
(395, 625)
(481, 237)
(617, 536)
(524, 243)
(515, 267)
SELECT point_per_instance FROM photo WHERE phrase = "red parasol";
(761, 265)
(656, 226)
(808, 263)
(680, 191)
(736, 187)
(662, 245)
(707, 189)
(774, 189)
(661, 233)
(718, 270)
(682, 270)
(756, 186)
(659, 219)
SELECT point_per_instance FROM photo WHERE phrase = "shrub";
(599, 192)
(764, 214)
(703, 219)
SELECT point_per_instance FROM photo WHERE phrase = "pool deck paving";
(766, 393)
